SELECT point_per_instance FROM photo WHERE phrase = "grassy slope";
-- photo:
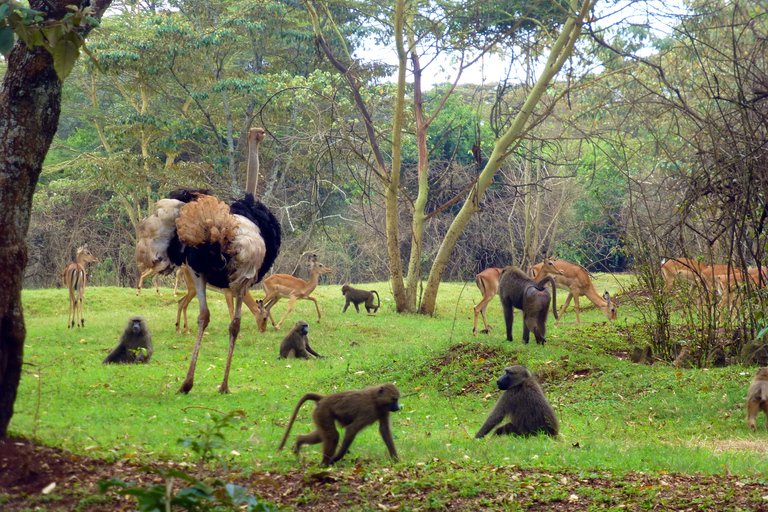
(614, 415)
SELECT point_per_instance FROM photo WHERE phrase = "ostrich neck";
(252, 178)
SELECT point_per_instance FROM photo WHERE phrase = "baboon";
(642, 355)
(757, 398)
(517, 290)
(356, 297)
(353, 410)
(524, 403)
(135, 344)
(296, 343)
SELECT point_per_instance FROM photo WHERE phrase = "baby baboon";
(296, 343)
(757, 398)
(517, 290)
(524, 402)
(357, 296)
(135, 344)
(353, 410)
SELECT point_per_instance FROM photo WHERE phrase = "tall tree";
(30, 104)
(419, 31)
(560, 52)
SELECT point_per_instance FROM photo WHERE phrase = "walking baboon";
(135, 344)
(757, 398)
(524, 403)
(353, 410)
(296, 343)
(517, 290)
(356, 297)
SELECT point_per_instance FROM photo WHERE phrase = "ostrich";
(226, 246)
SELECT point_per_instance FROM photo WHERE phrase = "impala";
(283, 286)
(488, 283)
(576, 280)
(730, 287)
(670, 268)
(74, 280)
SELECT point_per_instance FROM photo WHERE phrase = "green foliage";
(15, 16)
(197, 496)
(211, 438)
(61, 37)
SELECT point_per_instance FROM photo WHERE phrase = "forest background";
(649, 144)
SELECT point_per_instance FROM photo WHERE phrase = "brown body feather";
(207, 220)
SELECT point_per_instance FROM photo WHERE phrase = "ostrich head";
(255, 136)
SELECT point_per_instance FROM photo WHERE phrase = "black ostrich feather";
(187, 196)
(256, 212)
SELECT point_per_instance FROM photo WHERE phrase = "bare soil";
(28, 470)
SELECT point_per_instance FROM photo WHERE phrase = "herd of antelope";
(721, 281)
(572, 278)
(716, 281)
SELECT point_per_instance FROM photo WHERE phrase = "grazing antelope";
(670, 268)
(576, 280)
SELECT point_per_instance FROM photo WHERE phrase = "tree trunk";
(30, 104)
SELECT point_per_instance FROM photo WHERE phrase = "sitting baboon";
(296, 343)
(135, 343)
(524, 403)
(356, 297)
(517, 290)
(757, 398)
(353, 410)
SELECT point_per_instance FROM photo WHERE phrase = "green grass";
(614, 415)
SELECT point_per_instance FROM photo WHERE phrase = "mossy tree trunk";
(30, 104)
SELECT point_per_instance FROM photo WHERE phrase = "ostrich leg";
(234, 330)
(202, 322)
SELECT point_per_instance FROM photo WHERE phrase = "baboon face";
(301, 327)
(388, 397)
(135, 325)
(513, 376)
(345, 289)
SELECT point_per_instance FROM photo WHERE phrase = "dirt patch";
(472, 364)
(555, 373)
(26, 468)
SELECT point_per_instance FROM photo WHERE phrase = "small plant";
(197, 495)
(211, 437)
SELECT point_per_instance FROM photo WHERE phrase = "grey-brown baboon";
(135, 344)
(296, 343)
(757, 398)
(357, 297)
(517, 290)
(353, 410)
(523, 401)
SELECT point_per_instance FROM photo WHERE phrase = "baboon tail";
(377, 298)
(540, 285)
(308, 396)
